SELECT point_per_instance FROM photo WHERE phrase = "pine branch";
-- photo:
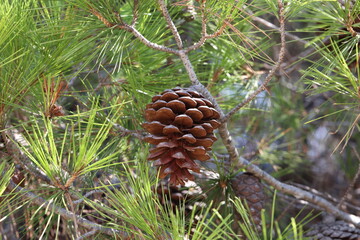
(189, 68)
(171, 24)
(183, 54)
(299, 193)
(135, 32)
(272, 71)
(43, 203)
(204, 35)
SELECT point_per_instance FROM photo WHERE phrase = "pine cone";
(248, 187)
(181, 123)
(335, 230)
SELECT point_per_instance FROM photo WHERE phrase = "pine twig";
(135, 32)
(183, 54)
(170, 24)
(272, 71)
(326, 196)
(204, 35)
(35, 199)
(70, 181)
(145, 41)
(299, 193)
(189, 68)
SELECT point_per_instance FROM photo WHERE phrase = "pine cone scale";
(176, 106)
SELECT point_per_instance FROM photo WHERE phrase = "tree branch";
(72, 208)
(272, 71)
(135, 32)
(171, 24)
(204, 35)
(145, 41)
(188, 67)
(63, 212)
(299, 193)
(181, 53)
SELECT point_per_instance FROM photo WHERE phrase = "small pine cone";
(248, 187)
(336, 230)
(181, 123)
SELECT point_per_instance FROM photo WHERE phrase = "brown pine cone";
(336, 230)
(248, 187)
(181, 123)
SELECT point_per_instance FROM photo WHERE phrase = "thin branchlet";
(271, 72)
(134, 31)
(171, 24)
(204, 35)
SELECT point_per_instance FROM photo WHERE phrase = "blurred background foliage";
(65, 75)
